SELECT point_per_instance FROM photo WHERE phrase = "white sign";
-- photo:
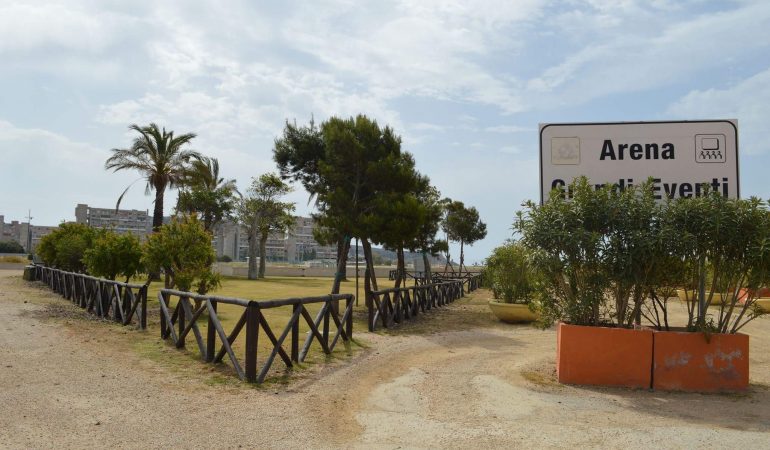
(679, 156)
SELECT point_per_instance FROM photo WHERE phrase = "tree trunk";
(426, 263)
(400, 268)
(341, 265)
(252, 255)
(262, 254)
(157, 214)
(339, 275)
(157, 222)
(371, 276)
(448, 260)
(208, 223)
(343, 247)
(462, 257)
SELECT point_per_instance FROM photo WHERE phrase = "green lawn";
(267, 289)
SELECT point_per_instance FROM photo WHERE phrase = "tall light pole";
(29, 231)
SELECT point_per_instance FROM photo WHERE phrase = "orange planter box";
(603, 356)
(687, 362)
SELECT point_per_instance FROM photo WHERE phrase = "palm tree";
(205, 193)
(159, 157)
(203, 172)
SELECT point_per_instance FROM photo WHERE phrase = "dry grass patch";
(186, 362)
(13, 259)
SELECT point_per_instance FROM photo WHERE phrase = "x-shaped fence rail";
(121, 302)
(392, 306)
(185, 316)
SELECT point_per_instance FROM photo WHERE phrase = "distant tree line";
(11, 247)
(362, 183)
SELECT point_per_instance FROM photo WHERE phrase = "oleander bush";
(610, 257)
(509, 274)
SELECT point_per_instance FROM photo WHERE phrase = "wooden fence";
(471, 280)
(416, 274)
(185, 317)
(122, 302)
(389, 307)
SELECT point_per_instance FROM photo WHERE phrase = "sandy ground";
(69, 382)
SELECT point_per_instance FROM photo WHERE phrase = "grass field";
(272, 287)
(267, 289)
(21, 259)
(468, 312)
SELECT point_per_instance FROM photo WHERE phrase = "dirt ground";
(70, 382)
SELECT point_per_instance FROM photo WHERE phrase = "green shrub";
(567, 239)
(182, 249)
(114, 254)
(65, 247)
(11, 247)
(727, 241)
(610, 257)
(509, 274)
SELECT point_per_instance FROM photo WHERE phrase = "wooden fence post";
(326, 319)
(370, 310)
(252, 340)
(180, 320)
(143, 304)
(162, 298)
(349, 322)
(295, 333)
(211, 334)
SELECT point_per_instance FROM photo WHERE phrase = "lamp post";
(29, 231)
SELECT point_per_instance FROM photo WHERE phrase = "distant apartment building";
(232, 240)
(301, 245)
(9, 231)
(138, 223)
(293, 245)
(21, 232)
(31, 235)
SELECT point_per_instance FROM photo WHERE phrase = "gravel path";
(74, 383)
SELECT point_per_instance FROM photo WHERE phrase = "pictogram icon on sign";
(710, 148)
(565, 150)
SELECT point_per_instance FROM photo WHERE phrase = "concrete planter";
(685, 361)
(603, 356)
(694, 297)
(512, 312)
(764, 303)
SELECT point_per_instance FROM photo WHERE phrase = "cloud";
(747, 101)
(427, 50)
(652, 53)
(54, 173)
(464, 82)
(31, 25)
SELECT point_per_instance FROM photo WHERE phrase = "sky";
(465, 84)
